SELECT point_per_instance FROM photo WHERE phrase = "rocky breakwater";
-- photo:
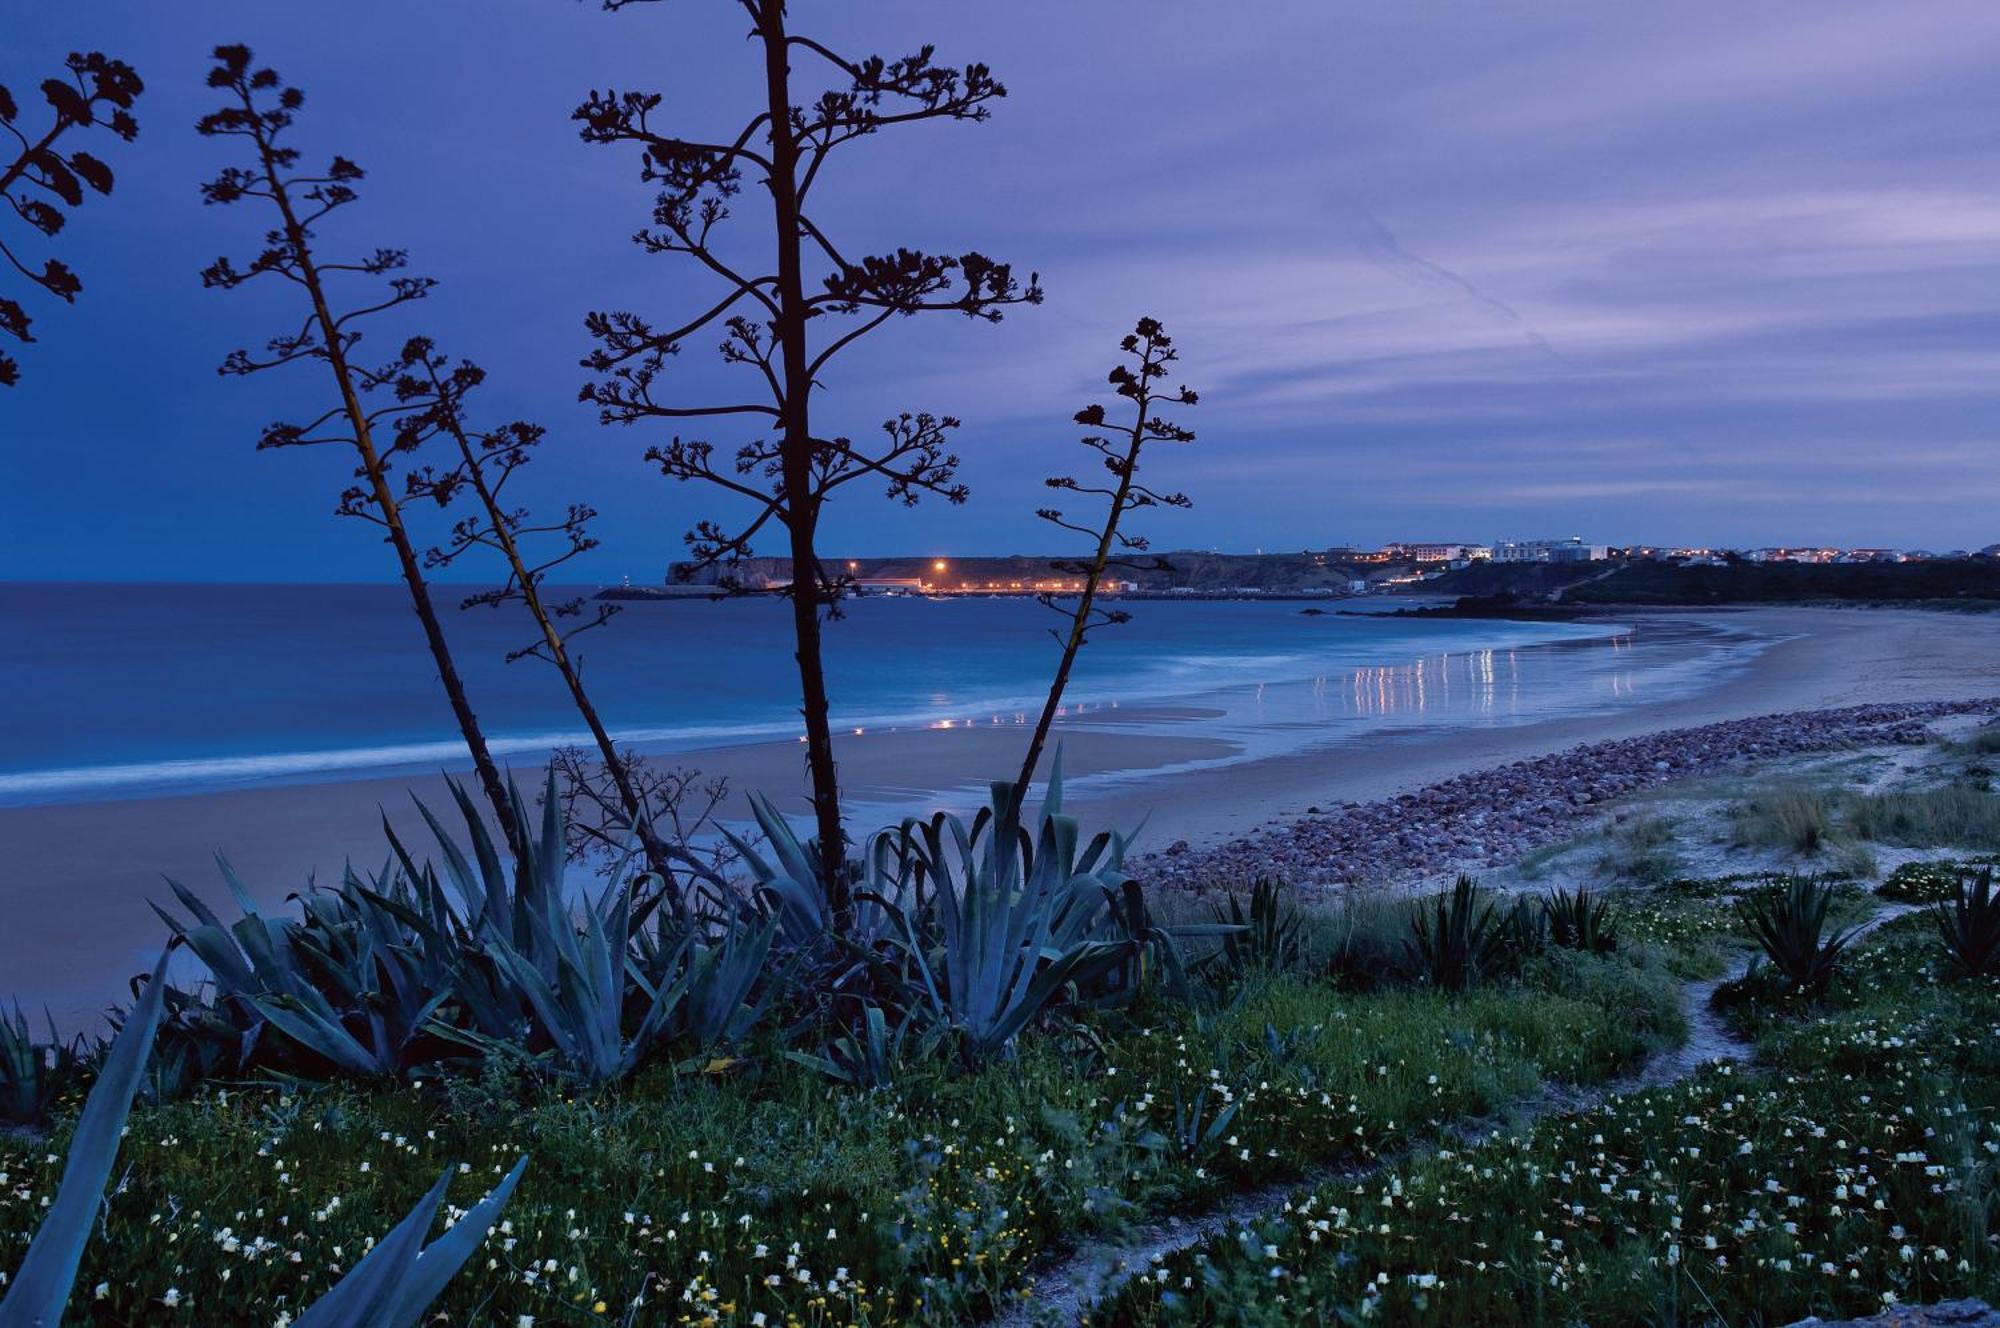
(1492, 817)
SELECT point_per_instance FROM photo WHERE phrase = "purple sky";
(1702, 272)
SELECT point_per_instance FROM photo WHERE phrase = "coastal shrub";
(34, 1074)
(1969, 926)
(1579, 920)
(1788, 922)
(1456, 937)
(1948, 816)
(1793, 819)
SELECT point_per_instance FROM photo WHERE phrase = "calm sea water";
(115, 691)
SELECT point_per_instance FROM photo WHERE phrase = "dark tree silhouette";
(434, 391)
(1150, 351)
(42, 179)
(259, 110)
(784, 335)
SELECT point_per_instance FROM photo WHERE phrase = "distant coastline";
(1529, 590)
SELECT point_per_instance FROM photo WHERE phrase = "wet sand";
(75, 878)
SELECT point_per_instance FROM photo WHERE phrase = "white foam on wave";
(1164, 676)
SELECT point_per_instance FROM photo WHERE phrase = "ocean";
(115, 691)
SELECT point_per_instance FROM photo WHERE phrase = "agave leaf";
(42, 1283)
(395, 1283)
(791, 854)
(485, 893)
(1052, 798)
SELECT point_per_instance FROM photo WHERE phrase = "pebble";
(1493, 817)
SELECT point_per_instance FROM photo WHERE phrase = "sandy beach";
(77, 877)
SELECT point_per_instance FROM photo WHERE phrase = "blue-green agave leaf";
(41, 1286)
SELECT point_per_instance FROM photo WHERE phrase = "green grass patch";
(765, 1190)
(1863, 1169)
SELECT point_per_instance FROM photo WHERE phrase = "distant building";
(1571, 550)
(1437, 553)
(1791, 555)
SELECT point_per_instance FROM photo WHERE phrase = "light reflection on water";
(1485, 687)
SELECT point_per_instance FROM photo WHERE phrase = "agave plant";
(33, 1074)
(1524, 929)
(867, 1054)
(720, 975)
(1578, 920)
(1196, 1133)
(345, 984)
(1789, 922)
(40, 1286)
(1008, 919)
(1456, 939)
(1969, 926)
(1152, 947)
(1264, 932)
(580, 1008)
(791, 886)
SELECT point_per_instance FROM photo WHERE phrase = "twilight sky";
(1701, 272)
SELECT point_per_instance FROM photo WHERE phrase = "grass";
(1955, 815)
(1984, 741)
(1795, 819)
(1863, 1169)
(1807, 822)
(761, 1190)
(1536, 864)
(1641, 852)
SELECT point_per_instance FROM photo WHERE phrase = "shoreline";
(78, 875)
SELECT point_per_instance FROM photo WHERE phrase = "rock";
(1948, 1314)
(1497, 815)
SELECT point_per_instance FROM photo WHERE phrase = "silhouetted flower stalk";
(435, 391)
(1150, 351)
(766, 319)
(259, 111)
(42, 179)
